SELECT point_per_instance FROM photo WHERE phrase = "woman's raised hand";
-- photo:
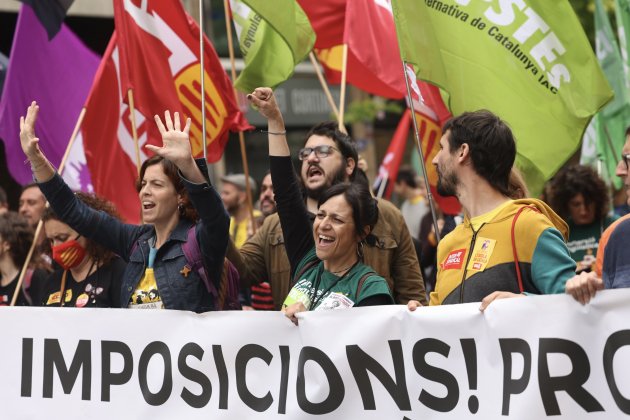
(28, 139)
(175, 141)
(42, 169)
(176, 146)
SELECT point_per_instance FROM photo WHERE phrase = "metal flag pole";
(419, 146)
(203, 87)
(241, 136)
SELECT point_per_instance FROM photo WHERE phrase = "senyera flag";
(368, 30)
(159, 61)
(528, 62)
(107, 140)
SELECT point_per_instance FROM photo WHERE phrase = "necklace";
(343, 269)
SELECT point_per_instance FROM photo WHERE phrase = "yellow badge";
(54, 298)
(68, 295)
(481, 254)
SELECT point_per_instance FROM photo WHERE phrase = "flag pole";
(322, 82)
(241, 136)
(419, 146)
(342, 97)
(203, 86)
(381, 187)
(40, 224)
(134, 132)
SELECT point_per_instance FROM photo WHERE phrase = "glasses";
(626, 160)
(320, 151)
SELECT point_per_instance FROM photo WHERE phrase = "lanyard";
(314, 298)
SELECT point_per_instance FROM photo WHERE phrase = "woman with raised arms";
(177, 202)
(325, 260)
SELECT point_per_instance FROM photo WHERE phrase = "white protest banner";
(526, 358)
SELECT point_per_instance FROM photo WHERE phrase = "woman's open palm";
(175, 141)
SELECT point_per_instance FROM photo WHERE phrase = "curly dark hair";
(574, 180)
(186, 210)
(17, 231)
(96, 251)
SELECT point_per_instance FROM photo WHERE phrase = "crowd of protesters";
(317, 239)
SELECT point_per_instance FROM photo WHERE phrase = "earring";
(360, 250)
(181, 209)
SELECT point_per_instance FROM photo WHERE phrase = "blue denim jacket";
(178, 291)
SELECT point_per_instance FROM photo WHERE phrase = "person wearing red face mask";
(181, 211)
(89, 274)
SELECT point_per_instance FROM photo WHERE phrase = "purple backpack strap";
(192, 252)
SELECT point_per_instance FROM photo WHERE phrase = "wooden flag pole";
(241, 136)
(203, 86)
(73, 137)
(29, 256)
(322, 82)
(134, 132)
(342, 97)
(419, 146)
(40, 224)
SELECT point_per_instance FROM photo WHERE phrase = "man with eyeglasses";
(612, 270)
(328, 158)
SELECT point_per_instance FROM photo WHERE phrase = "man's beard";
(339, 176)
(266, 212)
(447, 185)
(231, 208)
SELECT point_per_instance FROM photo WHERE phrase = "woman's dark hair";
(93, 249)
(364, 206)
(16, 230)
(186, 210)
(574, 180)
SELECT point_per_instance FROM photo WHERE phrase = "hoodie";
(521, 249)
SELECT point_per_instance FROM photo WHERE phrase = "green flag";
(622, 14)
(272, 43)
(614, 117)
(527, 61)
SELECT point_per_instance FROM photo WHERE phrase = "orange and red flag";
(159, 61)
(367, 28)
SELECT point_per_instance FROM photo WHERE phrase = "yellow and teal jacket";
(519, 247)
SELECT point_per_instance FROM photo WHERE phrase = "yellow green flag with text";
(274, 36)
(527, 61)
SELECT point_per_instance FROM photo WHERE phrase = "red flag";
(159, 60)
(327, 19)
(374, 63)
(107, 140)
(388, 170)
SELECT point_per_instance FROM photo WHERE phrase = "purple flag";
(58, 75)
